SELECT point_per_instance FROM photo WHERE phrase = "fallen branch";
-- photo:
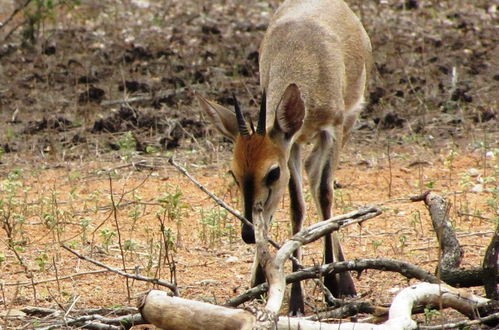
(406, 269)
(463, 324)
(490, 267)
(209, 193)
(156, 281)
(55, 279)
(274, 266)
(451, 252)
(176, 313)
(98, 322)
(146, 98)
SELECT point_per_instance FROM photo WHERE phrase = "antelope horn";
(241, 123)
(262, 116)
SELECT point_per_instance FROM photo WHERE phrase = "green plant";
(41, 261)
(107, 236)
(129, 245)
(38, 12)
(430, 185)
(84, 224)
(403, 242)
(215, 226)
(429, 314)
(493, 202)
(416, 222)
(173, 207)
(376, 244)
(449, 162)
(13, 211)
(128, 146)
(343, 200)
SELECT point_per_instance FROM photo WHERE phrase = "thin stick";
(54, 279)
(462, 324)
(122, 252)
(14, 13)
(209, 193)
(122, 273)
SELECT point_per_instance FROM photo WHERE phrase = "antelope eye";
(273, 176)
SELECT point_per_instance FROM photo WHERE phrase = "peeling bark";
(490, 267)
(451, 252)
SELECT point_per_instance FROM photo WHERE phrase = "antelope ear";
(224, 120)
(290, 112)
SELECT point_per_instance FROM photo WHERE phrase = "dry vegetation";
(93, 108)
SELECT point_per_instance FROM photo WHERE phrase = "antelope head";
(260, 161)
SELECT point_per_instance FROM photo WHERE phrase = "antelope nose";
(247, 234)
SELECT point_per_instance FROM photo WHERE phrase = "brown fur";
(314, 62)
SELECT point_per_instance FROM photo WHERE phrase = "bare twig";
(88, 322)
(98, 271)
(406, 269)
(155, 281)
(452, 253)
(116, 223)
(145, 98)
(209, 193)
(463, 324)
(14, 13)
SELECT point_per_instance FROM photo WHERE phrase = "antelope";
(314, 62)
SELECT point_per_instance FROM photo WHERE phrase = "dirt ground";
(94, 104)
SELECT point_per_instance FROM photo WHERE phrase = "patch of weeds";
(493, 203)
(215, 226)
(84, 225)
(76, 175)
(376, 244)
(42, 260)
(449, 163)
(430, 314)
(430, 185)
(135, 214)
(417, 223)
(128, 146)
(174, 208)
(13, 211)
(466, 181)
(343, 200)
(130, 245)
(107, 238)
(402, 243)
(10, 135)
(38, 12)
(151, 150)
(73, 244)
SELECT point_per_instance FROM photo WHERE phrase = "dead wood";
(490, 267)
(451, 252)
(177, 313)
(404, 268)
(145, 98)
(156, 281)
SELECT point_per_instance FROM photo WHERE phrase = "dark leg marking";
(296, 305)
(342, 284)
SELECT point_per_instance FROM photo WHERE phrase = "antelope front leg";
(297, 206)
(320, 167)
